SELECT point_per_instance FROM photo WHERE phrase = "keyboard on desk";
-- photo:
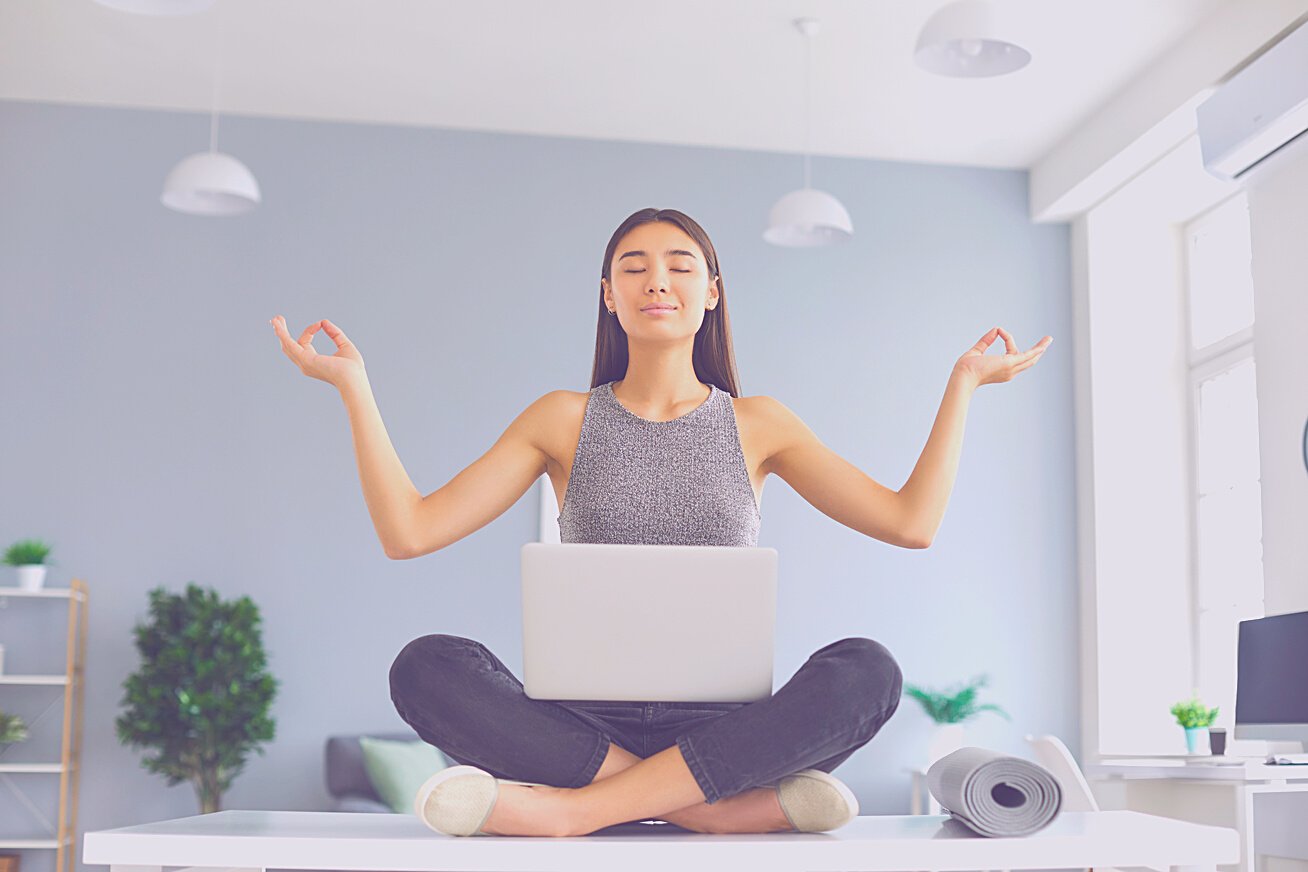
(1221, 760)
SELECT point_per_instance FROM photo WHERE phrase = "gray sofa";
(347, 779)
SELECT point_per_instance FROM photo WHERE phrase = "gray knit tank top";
(641, 482)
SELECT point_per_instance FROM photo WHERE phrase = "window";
(1227, 511)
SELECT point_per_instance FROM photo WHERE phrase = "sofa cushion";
(343, 759)
(398, 768)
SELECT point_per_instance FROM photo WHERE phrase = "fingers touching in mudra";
(334, 369)
(990, 368)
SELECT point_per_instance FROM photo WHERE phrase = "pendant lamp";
(808, 217)
(210, 182)
(971, 39)
(158, 7)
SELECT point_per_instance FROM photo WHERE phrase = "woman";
(661, 450)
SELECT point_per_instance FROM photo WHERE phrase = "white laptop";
(648, 623)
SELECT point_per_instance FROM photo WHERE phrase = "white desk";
(1267, 805)
(254, 840)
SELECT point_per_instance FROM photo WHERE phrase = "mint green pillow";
(398, 769)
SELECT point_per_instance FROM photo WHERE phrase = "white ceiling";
(721, 73)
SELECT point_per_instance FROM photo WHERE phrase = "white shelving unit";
(69, 767)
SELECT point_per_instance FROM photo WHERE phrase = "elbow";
(396, 553)
(918, 540)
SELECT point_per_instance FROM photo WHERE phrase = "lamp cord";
(217, 76)
(808, 104)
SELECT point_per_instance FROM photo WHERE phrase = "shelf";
(72, 680)
(45, 592)
(33, 844)
(31, 767)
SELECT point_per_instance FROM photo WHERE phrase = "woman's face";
(659, 264)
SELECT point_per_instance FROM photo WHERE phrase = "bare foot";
(753, 811)
(530, 811)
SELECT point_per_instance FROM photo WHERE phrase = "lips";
(649, 308)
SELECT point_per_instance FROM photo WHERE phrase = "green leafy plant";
(12, 729)
(1193, 713)
(26, 552)
(201, 696)
(955, 706)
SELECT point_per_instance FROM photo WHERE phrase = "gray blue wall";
(155, 432)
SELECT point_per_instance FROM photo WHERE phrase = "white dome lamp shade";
(971, 39)
(807, 217)
(158, 7)
(210, 183)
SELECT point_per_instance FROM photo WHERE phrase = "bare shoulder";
(765, 411)
(555, 422)
(767, 425)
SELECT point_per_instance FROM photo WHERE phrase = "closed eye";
(641, 270)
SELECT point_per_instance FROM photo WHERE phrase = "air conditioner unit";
(1258, 111)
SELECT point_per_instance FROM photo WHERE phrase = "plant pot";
(31, 576)
(1196, 740)
(947, 739)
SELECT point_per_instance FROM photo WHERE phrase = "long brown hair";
(712, 357)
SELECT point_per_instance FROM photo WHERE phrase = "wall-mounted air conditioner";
(1258, 111)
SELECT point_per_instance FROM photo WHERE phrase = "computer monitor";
(1271, 684)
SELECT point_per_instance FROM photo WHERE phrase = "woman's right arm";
(411, 525)
(489, 486)
(407, 523)
(387, 489)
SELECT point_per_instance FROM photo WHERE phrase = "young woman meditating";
(661, 450)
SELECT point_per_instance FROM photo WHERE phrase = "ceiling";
(718, 73)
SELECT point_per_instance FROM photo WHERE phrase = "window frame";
(1202, 364)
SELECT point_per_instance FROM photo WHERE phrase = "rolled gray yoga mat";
(995, 794)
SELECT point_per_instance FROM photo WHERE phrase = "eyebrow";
(669, 252)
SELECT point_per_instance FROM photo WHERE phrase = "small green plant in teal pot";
(1196, 718)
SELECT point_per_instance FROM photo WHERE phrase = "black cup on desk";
(1217, 740)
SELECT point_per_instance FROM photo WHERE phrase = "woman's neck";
(661, 385)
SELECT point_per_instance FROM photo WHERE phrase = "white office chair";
(1052, 754)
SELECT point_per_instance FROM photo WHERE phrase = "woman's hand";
(338, 369)
(984, 369)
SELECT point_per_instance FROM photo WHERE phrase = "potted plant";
(1196, 718)
(949, 711)
(29, 556)
(12, 729)
(201, 696)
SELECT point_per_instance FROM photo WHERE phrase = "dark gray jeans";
(459, 697)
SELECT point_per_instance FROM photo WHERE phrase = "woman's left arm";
(926, 493)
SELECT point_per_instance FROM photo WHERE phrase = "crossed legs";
(627, 788)
(718, 776)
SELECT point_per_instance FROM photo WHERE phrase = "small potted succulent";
(28, 555)
(949, 711)
(1196, 718)
(12, 729)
